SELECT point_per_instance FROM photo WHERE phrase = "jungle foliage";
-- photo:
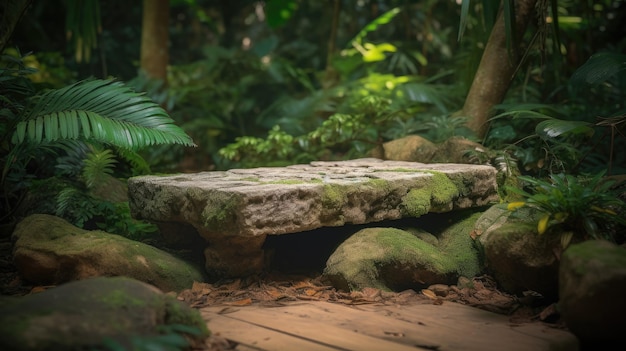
(278, 82)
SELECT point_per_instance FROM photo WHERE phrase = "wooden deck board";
(289, 321)
(315, 325)
(258, 337)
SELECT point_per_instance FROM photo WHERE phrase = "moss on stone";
(380, 184)
(220, 211)
(77, 314)
(333, 197)
(403, 247)
(604, 253)
(416, 202)
(118, 298)
(438, 190)
(287, 181)
(457, 243)
(367, 258)
(250, 179)
(443, 189)
(179, 313)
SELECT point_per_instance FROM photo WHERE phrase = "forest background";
(290, 81)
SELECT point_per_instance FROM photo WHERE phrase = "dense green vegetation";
(290, 81)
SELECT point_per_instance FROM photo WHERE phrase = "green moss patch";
(438, 190)
(220, 212)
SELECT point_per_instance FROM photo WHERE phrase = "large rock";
(515, 254)
(410, 148)
(455, 150)
(235, 210)
(592, 285)
(395, 259)
(49, 250)
(418, 149)
(85, 315)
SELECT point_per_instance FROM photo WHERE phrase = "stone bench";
(235, 210)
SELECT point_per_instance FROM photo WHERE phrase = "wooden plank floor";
(324, 326)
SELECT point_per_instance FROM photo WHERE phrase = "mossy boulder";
(48, 250)
(592, 281)
(88, 314)
(515, 254)
(395, 259)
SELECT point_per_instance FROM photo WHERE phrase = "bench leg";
(234, 257)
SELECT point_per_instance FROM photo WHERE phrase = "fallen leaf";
(429, 293)
(548, 312)
(243, 302)
(201, 289)
(310, 292)
(274, 293)
(371, 292)
(475, 233)
(307, 298)
(235, 285)
(302, 284)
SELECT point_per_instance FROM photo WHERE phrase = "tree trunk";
(155, 39)
(10, 14)
(496, 70)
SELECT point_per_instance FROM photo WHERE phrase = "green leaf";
(372, 26)
(104, 110)
(278, 12)
(599, 68)
(98, 165)
(464, 15)
(553, 127)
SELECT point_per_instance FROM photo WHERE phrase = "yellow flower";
(515, 205)
(603, 210)
(542, 226)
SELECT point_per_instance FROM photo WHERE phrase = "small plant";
(585, 207)
(342, 133)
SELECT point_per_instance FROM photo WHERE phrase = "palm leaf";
(599, 68)
(551, 128)
(104, 110)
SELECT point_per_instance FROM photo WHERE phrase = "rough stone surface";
(48, 250)
(592, 282)
(517, 257)
(395, 259)
(235, 210)
(81, 315)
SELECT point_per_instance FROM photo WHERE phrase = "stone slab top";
(279, 200)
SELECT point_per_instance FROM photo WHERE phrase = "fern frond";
(75, 205)
(104, 110)
(138, 163)
(97, 165)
